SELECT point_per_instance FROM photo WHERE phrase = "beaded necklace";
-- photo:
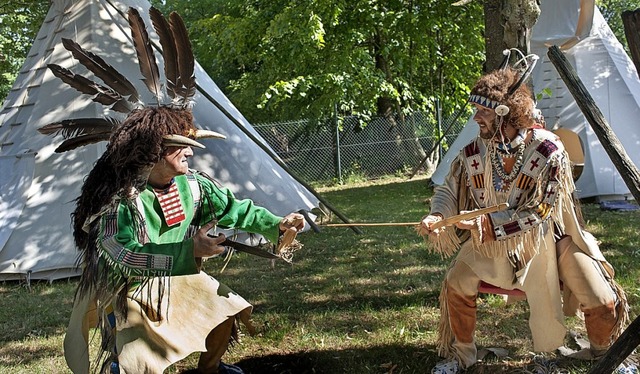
(500, 151)
(498, 167)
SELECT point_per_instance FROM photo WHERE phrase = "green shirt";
(135, 239)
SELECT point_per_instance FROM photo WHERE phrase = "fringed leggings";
(600, 298)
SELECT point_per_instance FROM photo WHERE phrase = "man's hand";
(425, 225)
(292, 220)
(205, 245)
(289, 227)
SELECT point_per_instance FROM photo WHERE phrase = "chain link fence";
(383, 146)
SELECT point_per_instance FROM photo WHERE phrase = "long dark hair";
(134, 147)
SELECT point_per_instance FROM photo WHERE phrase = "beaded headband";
(484, 101)
(527, 62)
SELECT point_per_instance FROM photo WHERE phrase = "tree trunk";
(408, 150)
(631, 21)
(386, 104)
(508, 24)
(493, 34)
(519, 17)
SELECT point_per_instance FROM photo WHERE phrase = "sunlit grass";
(348, 303)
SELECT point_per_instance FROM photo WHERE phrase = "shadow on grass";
(400, 358)
(20, 355)
(392, 359)
(39, 311)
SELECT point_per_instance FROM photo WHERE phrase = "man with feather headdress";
(143, 219)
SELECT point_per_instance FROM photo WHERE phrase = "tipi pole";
(629, 339)
(627, 169)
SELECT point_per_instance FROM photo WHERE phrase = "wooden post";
(630, 338)
(628, 171)
(631, 22)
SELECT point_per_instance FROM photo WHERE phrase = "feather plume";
(146, 58)
(80, 141)
(187, 81)
(167, 42)
(70, 128)
(101, 94)
(124, 106)
(109, 75)
(80, 83)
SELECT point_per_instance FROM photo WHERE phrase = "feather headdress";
(118, 93)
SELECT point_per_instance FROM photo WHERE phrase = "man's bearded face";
(486, 119)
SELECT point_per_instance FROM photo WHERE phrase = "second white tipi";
(608, 74)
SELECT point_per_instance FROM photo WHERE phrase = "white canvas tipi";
(39, 186)
(608, 74)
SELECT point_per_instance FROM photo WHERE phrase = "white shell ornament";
(502, 110)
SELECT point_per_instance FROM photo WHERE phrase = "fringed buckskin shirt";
(517, 247)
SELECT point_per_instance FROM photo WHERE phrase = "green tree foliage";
(286, 59)
(19, 23)
(612, 12)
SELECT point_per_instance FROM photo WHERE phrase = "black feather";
(169, 55)
(146, 58)
(70, 128)
(101, 94)
(109, 75)
(80, 83)
(122, 106)
(80, 141)
(186, 78)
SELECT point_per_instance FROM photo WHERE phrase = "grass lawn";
(348, 303)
